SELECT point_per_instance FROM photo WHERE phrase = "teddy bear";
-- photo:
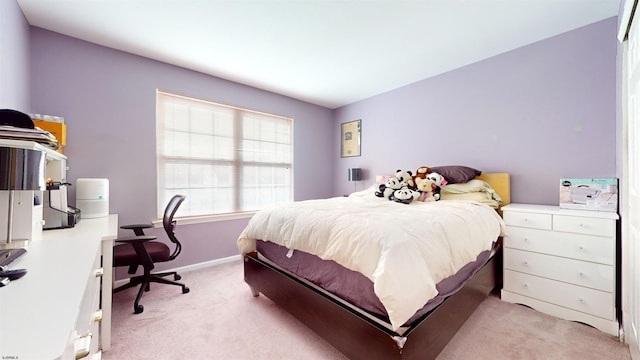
(426, 188)
(422, 172)
(404, 195)
(438, 180)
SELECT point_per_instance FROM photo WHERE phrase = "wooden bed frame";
(359, 337)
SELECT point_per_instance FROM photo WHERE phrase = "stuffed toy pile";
(429, 187)
(400, 188)
(405, 188)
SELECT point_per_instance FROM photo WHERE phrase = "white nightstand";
(562, 262)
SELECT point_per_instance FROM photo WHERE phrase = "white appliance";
(92, 197)
(24, 165)
(56, 212)
(582, 194)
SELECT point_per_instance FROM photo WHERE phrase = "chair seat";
(125, 255)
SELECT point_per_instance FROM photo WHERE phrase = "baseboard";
(192, 267)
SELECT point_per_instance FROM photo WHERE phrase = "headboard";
(500, 183)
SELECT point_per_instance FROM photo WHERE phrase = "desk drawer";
(589, 301)
(587, 274)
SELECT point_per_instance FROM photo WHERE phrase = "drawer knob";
(99, 272)
(525, 286)
(97, 316)
(525, 263)
(82, 346)
(581, 248)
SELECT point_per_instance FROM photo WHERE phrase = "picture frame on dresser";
(562, 262)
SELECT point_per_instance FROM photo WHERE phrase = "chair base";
(145, 281)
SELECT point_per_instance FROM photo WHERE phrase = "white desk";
(40, 313)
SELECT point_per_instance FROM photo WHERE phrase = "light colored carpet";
(219, 319)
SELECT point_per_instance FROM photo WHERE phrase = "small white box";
(26, 221)
(92, 197)
(589, 194)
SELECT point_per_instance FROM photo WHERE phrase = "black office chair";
(141, 250)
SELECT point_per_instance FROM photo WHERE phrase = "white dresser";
(562, 262)
(62, 308)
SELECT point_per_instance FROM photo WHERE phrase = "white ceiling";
(329, 53)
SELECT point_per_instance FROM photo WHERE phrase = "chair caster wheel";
(185, 290)
(177, 277)
(138, 309)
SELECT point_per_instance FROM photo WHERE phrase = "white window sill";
(207, 218)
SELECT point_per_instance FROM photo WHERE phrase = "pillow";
(481, 197)
(473, 189)
(381, 179)
(456, 174)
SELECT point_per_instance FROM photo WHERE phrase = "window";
(223, 158)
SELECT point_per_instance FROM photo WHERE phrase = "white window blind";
(224, 159)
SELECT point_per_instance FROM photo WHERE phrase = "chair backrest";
(169, 224)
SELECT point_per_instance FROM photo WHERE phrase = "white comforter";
(404, 249)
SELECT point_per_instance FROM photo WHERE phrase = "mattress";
(352, 286)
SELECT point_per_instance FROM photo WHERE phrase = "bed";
(405, 327)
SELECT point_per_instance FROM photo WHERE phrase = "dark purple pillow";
(456, 174)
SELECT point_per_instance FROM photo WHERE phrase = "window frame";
(284, 160)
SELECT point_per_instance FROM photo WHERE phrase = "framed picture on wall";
(351, 138)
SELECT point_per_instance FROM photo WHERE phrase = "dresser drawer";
(582, 247)
(584, 225)
(589, 301)
(529, 220)
(594, 276)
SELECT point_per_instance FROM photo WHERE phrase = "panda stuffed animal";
(390, 185)
(406, 177)
(439, 181)
(398, 181)
(404, 195)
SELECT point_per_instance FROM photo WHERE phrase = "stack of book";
(36, 134)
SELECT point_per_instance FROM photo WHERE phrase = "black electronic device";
(13, 274)
(7, 256)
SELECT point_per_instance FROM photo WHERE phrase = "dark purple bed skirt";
(352, 286)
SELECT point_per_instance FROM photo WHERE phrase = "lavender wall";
(108, 100)
(541, 112)
(14, 57)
